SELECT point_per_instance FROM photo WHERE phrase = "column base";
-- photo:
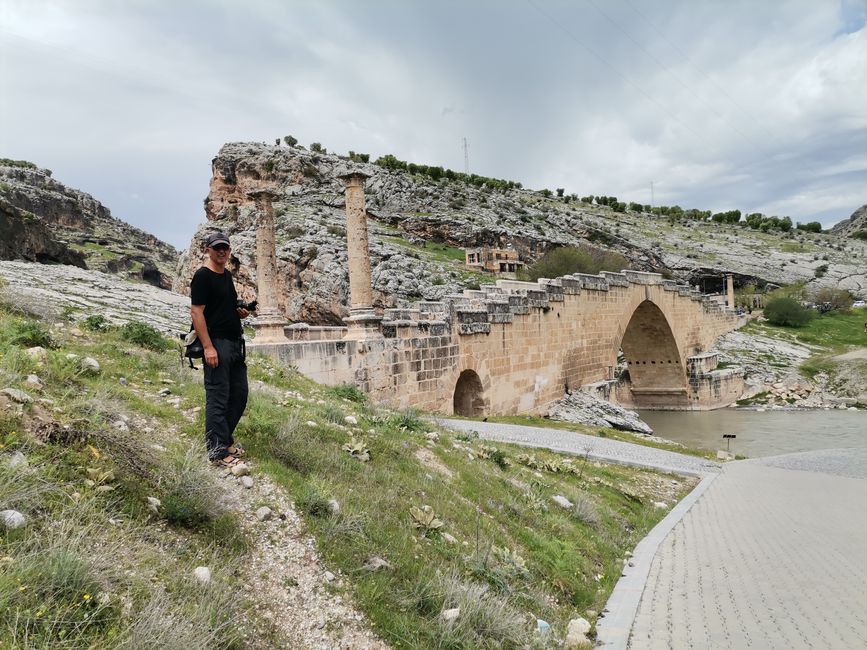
(269, 328)
(363, 324)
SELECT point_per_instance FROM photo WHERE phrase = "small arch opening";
(469, 397)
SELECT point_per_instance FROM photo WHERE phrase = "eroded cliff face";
(54, 223)
(405, 215)
(417, 226)
(855, 225)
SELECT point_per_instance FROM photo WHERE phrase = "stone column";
(269, 322)
(363, 321)
(730, 290)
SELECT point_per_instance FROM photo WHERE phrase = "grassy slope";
(517, 556)
(830, 334)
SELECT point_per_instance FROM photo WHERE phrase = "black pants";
(225, 396)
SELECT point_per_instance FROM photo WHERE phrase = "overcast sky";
(758, 104)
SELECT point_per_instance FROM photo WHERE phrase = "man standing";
(217, 321)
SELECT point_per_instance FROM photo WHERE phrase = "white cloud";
(721, 104)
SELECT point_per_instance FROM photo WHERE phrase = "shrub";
(821, 270)
(568, 260)
(290, 141)
(144, 335)
(787, 312)
(860, 234)
(340, 231)
(830, 299)
(350, 392)
(31, 333)
(95, 323)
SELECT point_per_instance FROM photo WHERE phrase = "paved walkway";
(767, 553)
(773, 555)
(603, 449)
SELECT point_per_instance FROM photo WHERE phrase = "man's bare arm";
(201, 326)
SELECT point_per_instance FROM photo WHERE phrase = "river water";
(761, 433)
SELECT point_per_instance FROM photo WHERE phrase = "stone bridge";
(513, 347)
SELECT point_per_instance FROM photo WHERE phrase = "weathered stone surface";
(42, 220)
(48, 289)
(17, 395)
(12, 519)
(202, 574)
(585, 409)
(576, 635)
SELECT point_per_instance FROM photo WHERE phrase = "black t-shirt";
(216, 292)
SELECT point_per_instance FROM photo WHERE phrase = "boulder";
(12, 519)
(576, 635)
(584, 408)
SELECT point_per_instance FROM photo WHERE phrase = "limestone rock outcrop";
(42, 220)
(417, 226)
(857, 223)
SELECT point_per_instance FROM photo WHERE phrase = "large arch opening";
(469, 395)
(656, 376)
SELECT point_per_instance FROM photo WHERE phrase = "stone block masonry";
(516, 347)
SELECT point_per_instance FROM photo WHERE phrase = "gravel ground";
(295, 594)
(612, 451)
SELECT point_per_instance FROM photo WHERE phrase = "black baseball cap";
(215, 239)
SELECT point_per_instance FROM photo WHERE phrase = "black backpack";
(191, 348)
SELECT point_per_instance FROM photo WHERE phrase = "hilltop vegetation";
(411, 519)
(421, 218)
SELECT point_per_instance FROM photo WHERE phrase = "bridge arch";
(469, 396)
(653, 357)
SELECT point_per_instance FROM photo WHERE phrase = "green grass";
(517, 556)
(834, 331)
(829, 335)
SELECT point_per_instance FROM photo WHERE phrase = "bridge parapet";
(615, 279)
(643, 277)
(554, 289)
(432, 310)
(591, 282)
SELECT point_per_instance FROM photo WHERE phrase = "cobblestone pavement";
(772, 555)
(576, 443)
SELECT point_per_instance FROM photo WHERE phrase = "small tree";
(290, 141)
(560, 192)
(787, 312)
(317, 148)
(831, 299)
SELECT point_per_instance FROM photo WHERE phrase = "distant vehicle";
(860, 303)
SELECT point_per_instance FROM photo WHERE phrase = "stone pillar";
(269, 322)
(730, 290)
(363, 321)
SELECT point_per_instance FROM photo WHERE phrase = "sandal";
(237, 451)
(226, 461)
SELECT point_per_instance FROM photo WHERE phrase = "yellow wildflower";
(86, 597)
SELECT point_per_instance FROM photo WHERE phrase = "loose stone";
(202, 574)
(241, 469)
(264, 513)
(247, 482)
(12, 519)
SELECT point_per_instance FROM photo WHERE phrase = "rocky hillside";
(854, 226)
(419, 226)
(42, 220)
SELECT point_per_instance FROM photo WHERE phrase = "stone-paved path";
(603, 449)
(773, 555)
